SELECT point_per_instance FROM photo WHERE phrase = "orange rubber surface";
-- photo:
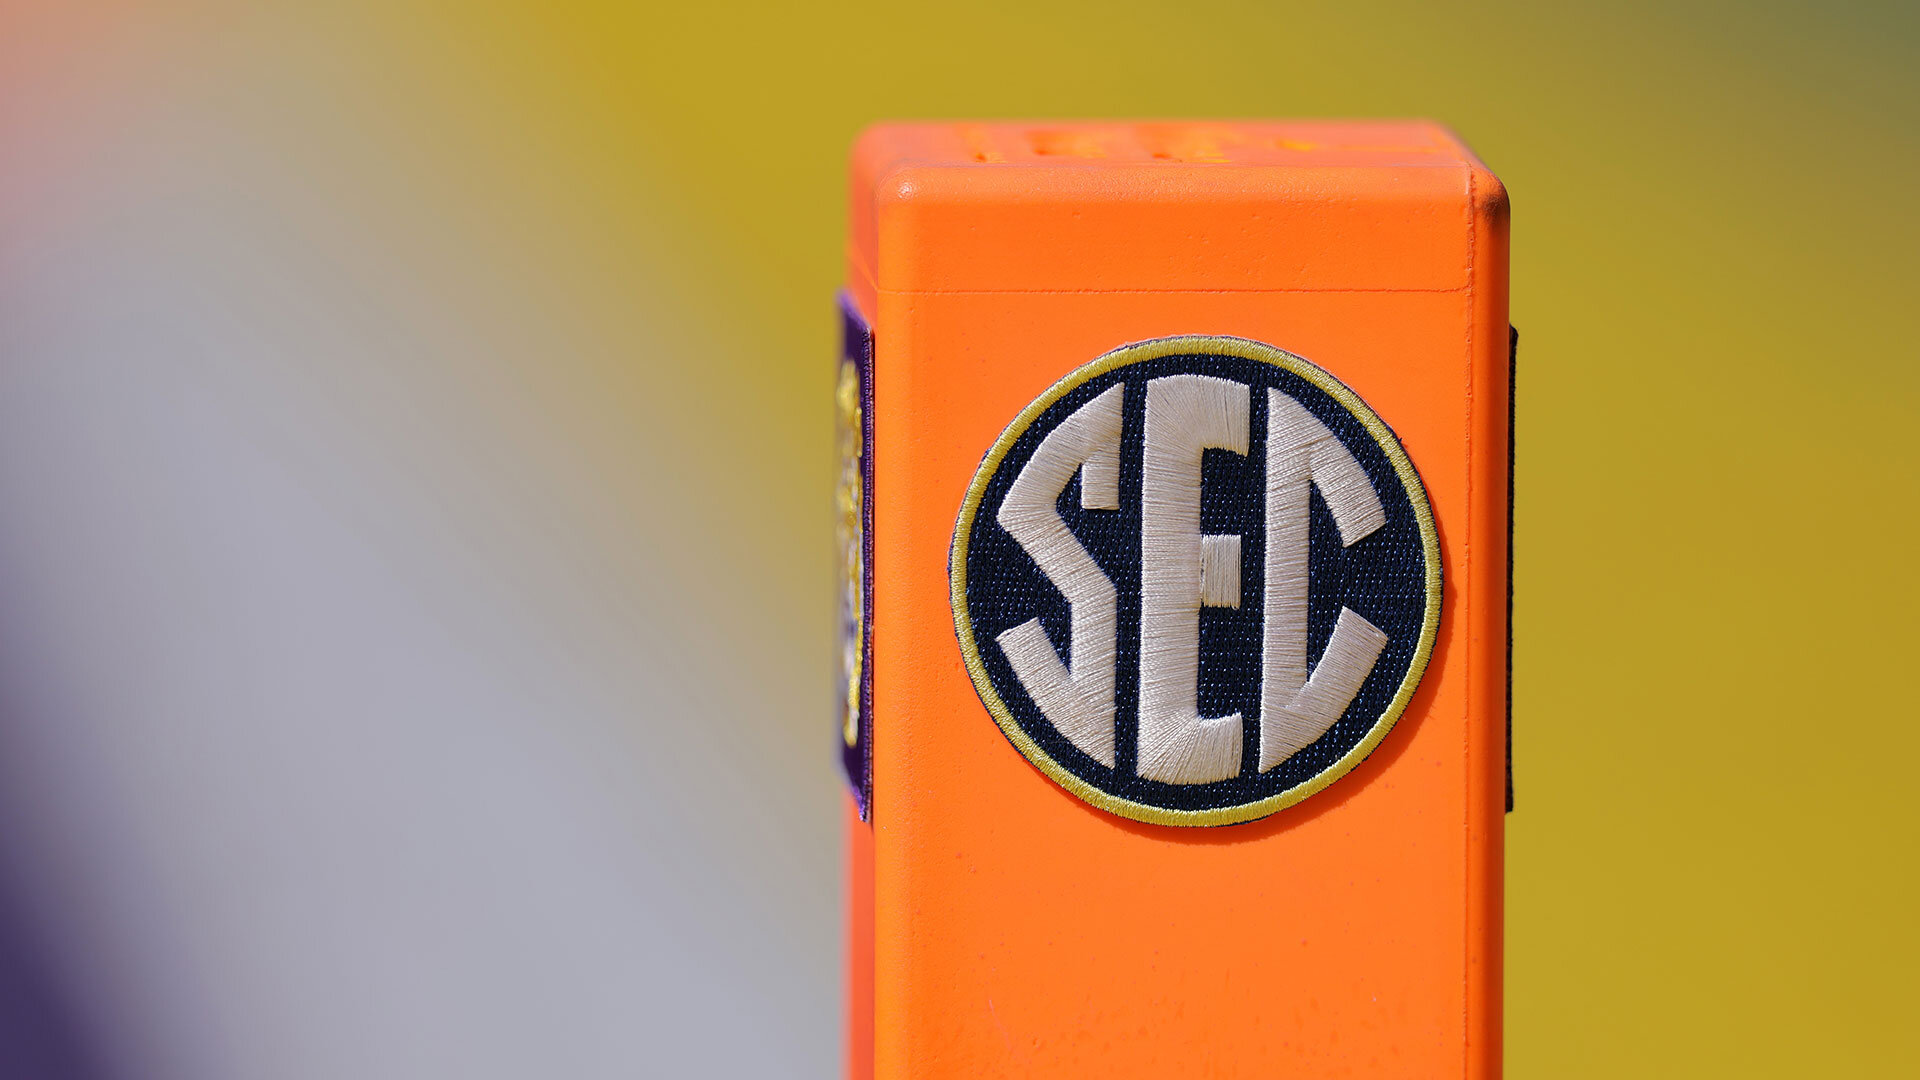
(1002, 927)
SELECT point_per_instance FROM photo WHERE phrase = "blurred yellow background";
(415, 538)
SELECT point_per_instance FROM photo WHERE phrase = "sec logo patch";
(1196, 581)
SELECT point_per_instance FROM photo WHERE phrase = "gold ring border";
(1245, 349)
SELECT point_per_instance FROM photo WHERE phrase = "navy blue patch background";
(1381, 577)
(856, 761)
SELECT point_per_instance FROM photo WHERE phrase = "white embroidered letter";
(1294, 709)
(1077, 699)
(1180, 570)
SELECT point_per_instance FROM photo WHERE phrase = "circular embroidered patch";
(1196, 581)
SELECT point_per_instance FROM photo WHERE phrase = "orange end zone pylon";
(1176, 507)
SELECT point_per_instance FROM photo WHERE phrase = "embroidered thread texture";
(853, 402)
(1196, 581)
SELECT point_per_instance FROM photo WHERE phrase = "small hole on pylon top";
(1080, 144)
